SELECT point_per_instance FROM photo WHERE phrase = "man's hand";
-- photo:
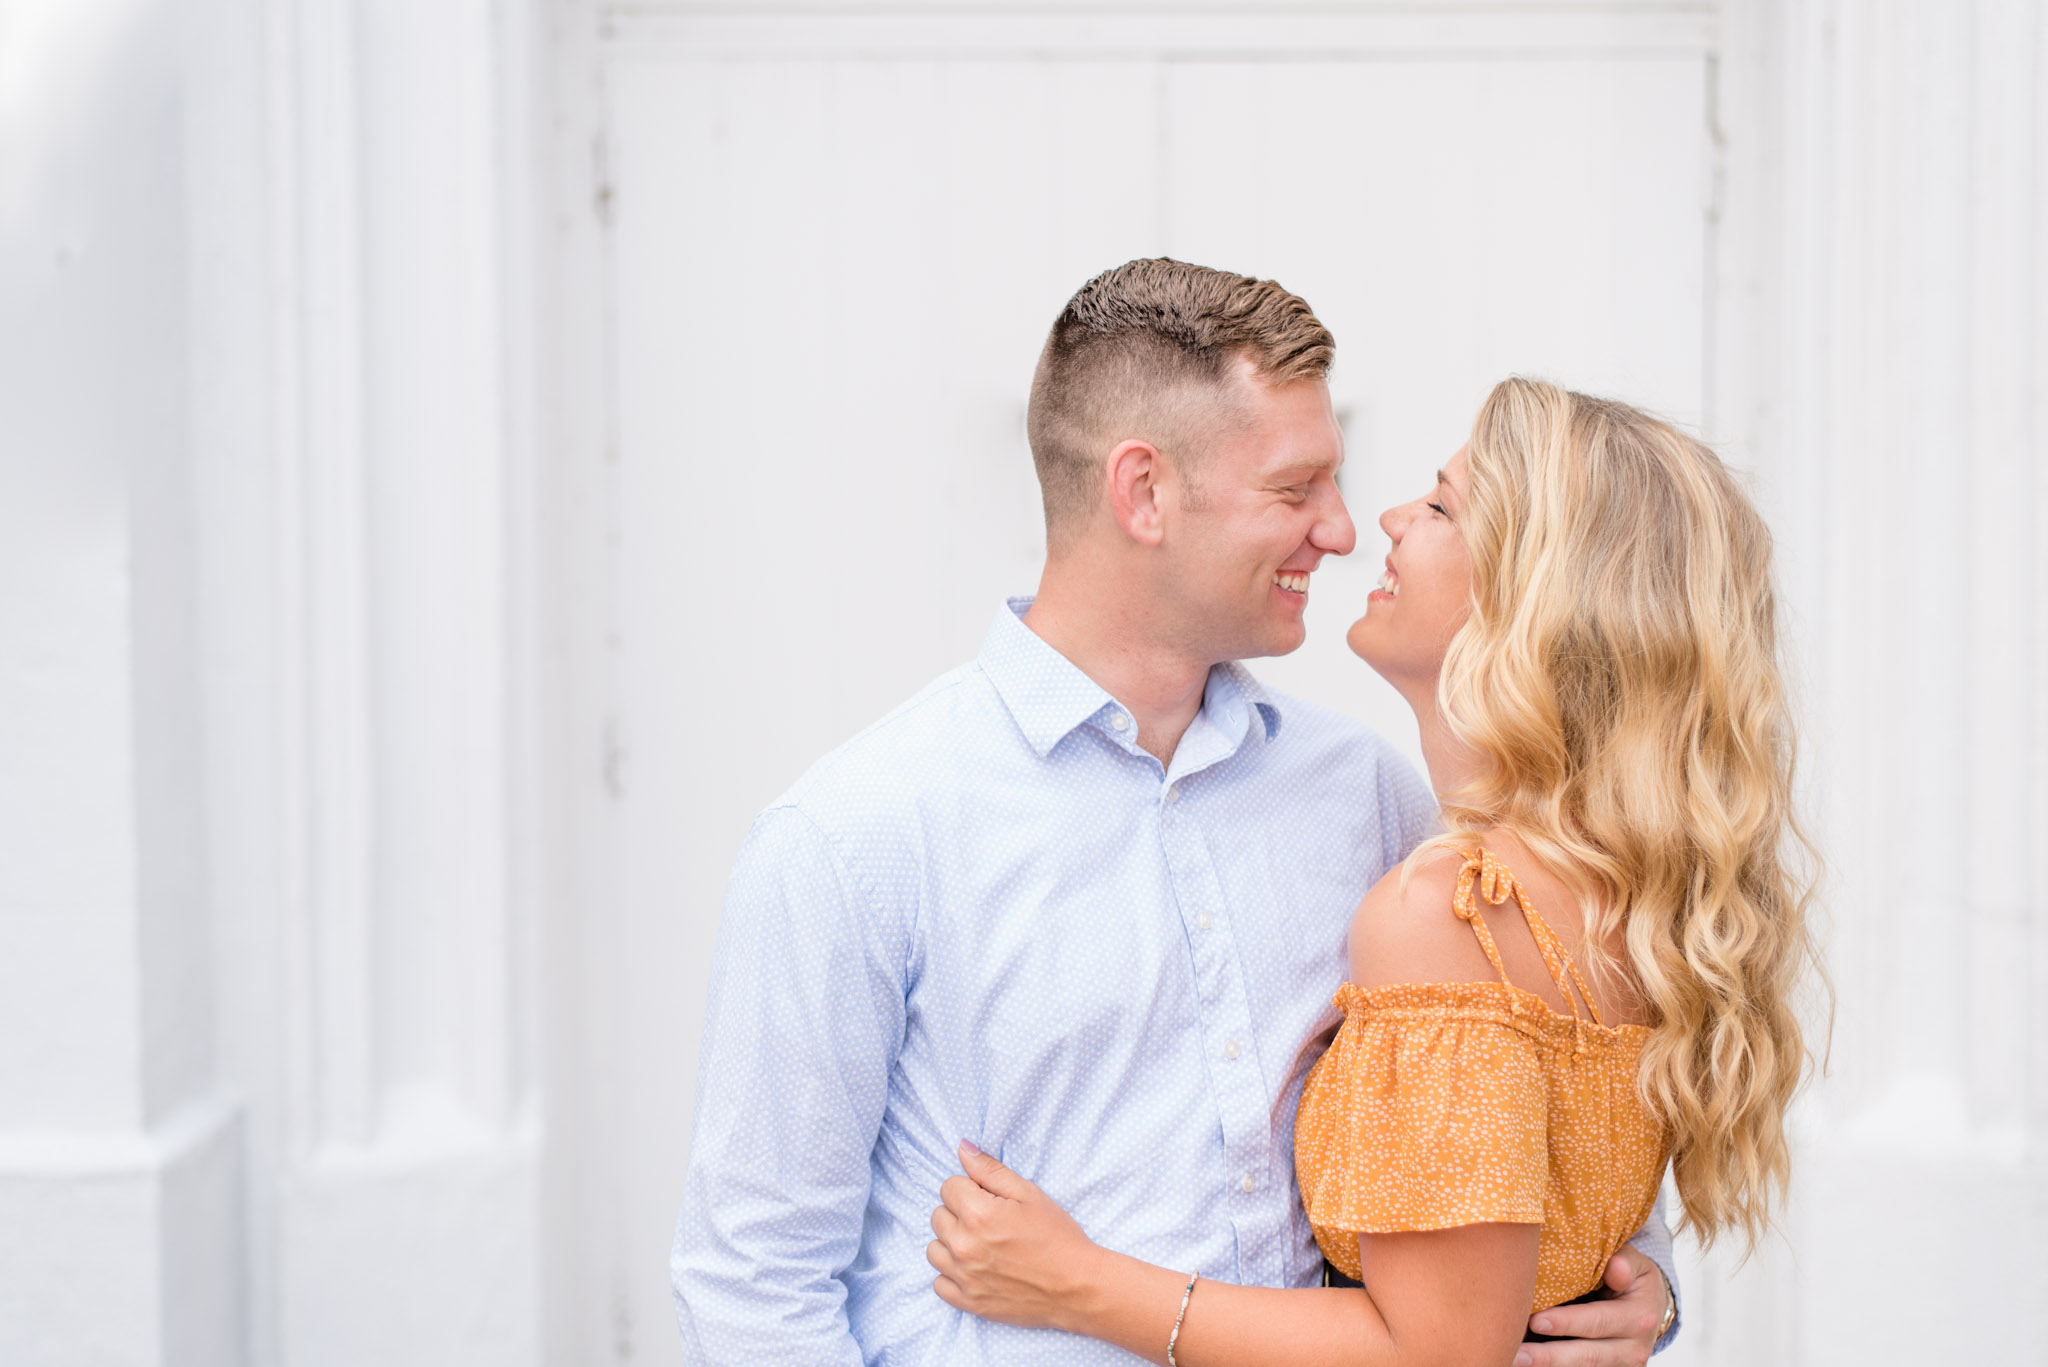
(1610, 1333)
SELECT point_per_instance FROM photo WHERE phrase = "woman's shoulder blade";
(1406, 932)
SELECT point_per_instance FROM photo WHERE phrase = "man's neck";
(1107, 639)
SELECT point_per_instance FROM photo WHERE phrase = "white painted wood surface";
(261, 283)
(829, 272)
(1883, 363)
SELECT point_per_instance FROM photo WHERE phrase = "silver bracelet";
(1174, 1337)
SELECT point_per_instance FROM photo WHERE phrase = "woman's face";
(1425, 594)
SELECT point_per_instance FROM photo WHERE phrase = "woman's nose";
(1394, 521)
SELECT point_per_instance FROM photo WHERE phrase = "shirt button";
(1119, 721)
(1230, 1049)
(1204, 921)
(1248, 1183)
(1173, 794)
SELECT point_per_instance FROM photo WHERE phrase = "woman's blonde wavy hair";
(1618, 682)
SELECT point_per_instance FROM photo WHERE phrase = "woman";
(1588, 977)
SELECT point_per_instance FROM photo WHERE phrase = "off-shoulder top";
(1446, 1104)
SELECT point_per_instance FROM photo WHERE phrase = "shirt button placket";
(1241, 1102)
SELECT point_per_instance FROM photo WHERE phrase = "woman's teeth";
(1389, 585)
(1292, 582)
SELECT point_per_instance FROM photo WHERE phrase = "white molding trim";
(188, 1129)
(407, 958)
(1377, 35)
(322, 547)
(400, 1208)
(1885, 289)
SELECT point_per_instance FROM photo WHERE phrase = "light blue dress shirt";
(992, 916)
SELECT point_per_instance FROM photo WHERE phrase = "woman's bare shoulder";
(1405, 931)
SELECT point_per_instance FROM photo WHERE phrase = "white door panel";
(829, 280)
(1453, 222)
(830, 284)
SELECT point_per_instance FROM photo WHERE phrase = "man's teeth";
(1389, 585)
(1294, 583)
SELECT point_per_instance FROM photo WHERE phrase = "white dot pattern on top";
(983, 918)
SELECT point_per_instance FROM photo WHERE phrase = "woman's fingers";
(952, 1282)
(947, 1283)
(962, 1197)
(992, 1176)
(954, 1250)
(950, 1294)
(941, 1258)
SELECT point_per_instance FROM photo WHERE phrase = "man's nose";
(1334, 532)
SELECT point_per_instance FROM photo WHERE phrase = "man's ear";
(1134, 472)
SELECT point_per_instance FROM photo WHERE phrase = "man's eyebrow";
(1306, 467)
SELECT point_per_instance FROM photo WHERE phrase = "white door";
(834, 246)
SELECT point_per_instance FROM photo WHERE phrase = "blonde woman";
(1587, 979)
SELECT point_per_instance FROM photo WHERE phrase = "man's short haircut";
(1148, 350)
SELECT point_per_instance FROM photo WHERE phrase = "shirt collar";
(1231, 688)
(1048, 695)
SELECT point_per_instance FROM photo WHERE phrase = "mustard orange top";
(1445, 1104)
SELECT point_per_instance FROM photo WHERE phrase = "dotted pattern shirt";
(992, 916)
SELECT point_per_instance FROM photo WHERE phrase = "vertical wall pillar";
(265, 1022)
(408, 1219)
(120, 1151)
(1884, 361)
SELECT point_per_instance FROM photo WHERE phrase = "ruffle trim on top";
(1432, 1109)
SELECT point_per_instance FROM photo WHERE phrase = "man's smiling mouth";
(1294, 581)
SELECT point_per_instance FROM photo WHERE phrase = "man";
(1082, 901)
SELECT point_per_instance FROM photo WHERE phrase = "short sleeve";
(1424, 1120)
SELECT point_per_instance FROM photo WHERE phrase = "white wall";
(828, 266)
(118, 1147)
(267, 1080)
(1882, 363)
(332, 663)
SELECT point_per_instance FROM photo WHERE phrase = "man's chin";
(1280, 641)
(1294, 639)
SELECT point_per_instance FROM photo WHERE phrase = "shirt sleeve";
(803, 1023)
(1653, 1241)
(1422, 1125)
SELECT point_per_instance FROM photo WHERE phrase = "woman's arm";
(1005, 1251)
